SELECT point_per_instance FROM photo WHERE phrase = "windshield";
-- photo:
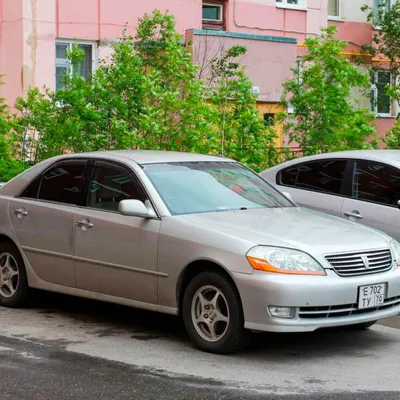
(197, 187)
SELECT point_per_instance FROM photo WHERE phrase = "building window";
(269, 119)
(377, 6)
(63, 65)
(334, 9)
(291, 3)
(214, 14)
(381, 103)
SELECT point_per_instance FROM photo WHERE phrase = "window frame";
(375, 91)
(353, 169)
(344, 189)
(301, 5)
(212, 24)
(54, 165)
(67, 63)
(339, 8)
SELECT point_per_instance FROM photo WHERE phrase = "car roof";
(382, 155)
(142, 157)
(367, 154)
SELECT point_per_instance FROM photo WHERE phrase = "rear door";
(43, 219)
(375, 192)
(316, 184)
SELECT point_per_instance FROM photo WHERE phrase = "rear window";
(64, 183)
(322, 176)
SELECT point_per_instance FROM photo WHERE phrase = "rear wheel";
(213, 315)
(13, 280)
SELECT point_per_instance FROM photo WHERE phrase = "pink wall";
(103, 19)
(11, 49)
(267, 62)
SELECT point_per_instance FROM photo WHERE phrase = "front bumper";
(320, 301)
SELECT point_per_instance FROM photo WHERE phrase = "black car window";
(31, 191)
(64, 183)
(111, 184)
(376, 182)
(322, 176)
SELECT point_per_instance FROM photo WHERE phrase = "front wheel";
(13, 279)
(213, 315)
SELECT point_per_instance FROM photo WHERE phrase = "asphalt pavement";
(69, 348)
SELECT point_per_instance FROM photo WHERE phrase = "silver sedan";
(361, 186)
(199, 236)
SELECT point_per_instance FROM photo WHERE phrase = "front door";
(115, 254)
(43, 219)
(375, 194)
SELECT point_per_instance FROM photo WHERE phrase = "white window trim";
(221, 7)
(375, 110)
(336, 17)
(302, 6)
(70, 43)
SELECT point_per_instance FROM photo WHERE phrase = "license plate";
(371, 295)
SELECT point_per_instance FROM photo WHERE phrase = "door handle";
(20, 212)
(353, 214)
(85, 224)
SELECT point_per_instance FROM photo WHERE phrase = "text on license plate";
(371, 295)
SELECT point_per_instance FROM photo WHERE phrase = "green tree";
(326, 118)
(387, 44)
(242, 134)
(147, 95)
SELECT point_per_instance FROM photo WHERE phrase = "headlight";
(283, 261)
(395, 246)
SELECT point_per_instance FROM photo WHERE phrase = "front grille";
(344, 310)
(361, 263)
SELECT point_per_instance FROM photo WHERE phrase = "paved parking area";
(68, 348)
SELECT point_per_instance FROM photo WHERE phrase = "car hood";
(293, 227)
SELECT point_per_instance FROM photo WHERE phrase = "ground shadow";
(146, 325)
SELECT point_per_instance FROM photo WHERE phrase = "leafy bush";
(147, 96)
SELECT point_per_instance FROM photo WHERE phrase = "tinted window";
(32, 189)
(323, 176)
(376, 182)
(111, 184)
(64, 183)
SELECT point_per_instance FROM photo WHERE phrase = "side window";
(322, 176)
(111, 184)
(288, 176)
(31, 191)
(376, 182)
(64, 183)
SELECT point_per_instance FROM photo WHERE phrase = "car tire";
(362, 327)
(13, 280)
(214, 302)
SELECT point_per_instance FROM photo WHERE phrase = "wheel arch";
(193, 269)
(6, 239)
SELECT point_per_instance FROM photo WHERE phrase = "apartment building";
(35, 34)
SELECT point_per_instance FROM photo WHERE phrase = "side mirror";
(135, 208)
(288, 195)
